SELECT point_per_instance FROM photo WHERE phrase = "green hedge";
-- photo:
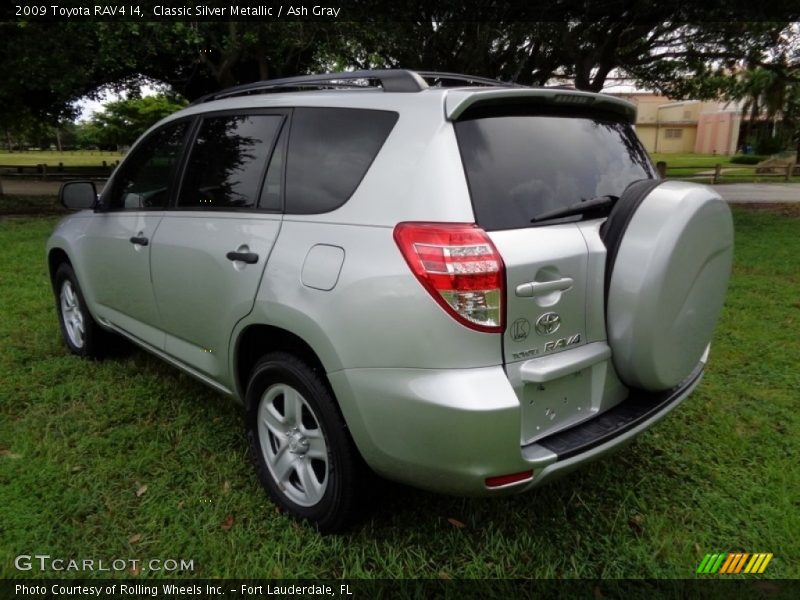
(747, 159)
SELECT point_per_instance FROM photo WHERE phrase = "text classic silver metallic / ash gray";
(459, 284)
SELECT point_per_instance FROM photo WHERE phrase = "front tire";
(81, 333)
(302, 452)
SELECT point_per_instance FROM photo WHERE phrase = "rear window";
(330, 151)
(520, 166)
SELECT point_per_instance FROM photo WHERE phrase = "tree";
(122, 122)
(668, 45)
(657, 44)
(765, 80)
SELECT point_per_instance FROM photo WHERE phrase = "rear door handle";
(250, 258)
(541, 288)
(139, 241)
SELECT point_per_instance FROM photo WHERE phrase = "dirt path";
(36, 187)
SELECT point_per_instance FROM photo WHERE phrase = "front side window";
(228, 162)
(146, 175)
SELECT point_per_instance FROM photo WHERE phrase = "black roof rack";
(390, 80)
(438, 77)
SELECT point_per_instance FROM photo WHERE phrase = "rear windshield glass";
(521, 166)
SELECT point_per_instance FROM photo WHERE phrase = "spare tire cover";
(669, 252)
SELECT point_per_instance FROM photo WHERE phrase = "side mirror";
(78, 195)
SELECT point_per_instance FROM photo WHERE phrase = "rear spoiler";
(458, 101)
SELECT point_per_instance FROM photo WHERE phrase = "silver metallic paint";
(427, 400)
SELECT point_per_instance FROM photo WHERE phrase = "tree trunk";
(261, 58)
(58, 139)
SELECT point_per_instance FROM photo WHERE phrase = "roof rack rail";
(391, 80)
(438, 76)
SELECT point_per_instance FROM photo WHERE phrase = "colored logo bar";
(735, 562)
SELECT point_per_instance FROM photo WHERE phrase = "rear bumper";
(565, 450)
(449, 430)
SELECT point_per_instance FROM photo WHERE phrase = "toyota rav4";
(464, 285)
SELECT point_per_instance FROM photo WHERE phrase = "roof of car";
(397, 90)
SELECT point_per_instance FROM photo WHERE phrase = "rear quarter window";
(330, 151)
(522, 165)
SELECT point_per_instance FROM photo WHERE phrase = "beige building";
(718, 132)
(669, 127)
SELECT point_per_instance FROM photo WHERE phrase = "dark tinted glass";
(521, 166)
(228, 162)
(330, 150)
(271, 194)
(144, 181)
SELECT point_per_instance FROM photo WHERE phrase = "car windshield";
(522, 166)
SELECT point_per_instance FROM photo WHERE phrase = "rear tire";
(299, 443)
(81, 333)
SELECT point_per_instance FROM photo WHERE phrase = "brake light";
(460, 267)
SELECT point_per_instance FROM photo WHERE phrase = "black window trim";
(285, 112)
(284, 148)
(108, 190)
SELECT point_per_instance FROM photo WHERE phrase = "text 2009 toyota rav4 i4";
(466, 286)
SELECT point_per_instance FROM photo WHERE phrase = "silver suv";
(455, 283)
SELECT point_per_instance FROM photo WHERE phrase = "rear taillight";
(460, 267)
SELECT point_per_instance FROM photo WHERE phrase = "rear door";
(521, 163)
(210, 251)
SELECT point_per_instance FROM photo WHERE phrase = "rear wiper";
(583, 207)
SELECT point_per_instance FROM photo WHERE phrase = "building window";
(673, 134)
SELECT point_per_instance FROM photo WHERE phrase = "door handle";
(139, 241)
(541, 288)
(250, 258)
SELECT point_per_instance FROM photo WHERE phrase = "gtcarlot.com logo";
(731, 563)
(45, 562)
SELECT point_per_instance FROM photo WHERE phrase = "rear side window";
(330, 151)
(228, 162)
(520, 166)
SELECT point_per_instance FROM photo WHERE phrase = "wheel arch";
(55, 258)
(255, 340)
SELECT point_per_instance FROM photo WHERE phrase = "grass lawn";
(30, 205)
(73, 158)
(130, 458)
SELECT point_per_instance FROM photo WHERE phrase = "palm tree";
(771, 92)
